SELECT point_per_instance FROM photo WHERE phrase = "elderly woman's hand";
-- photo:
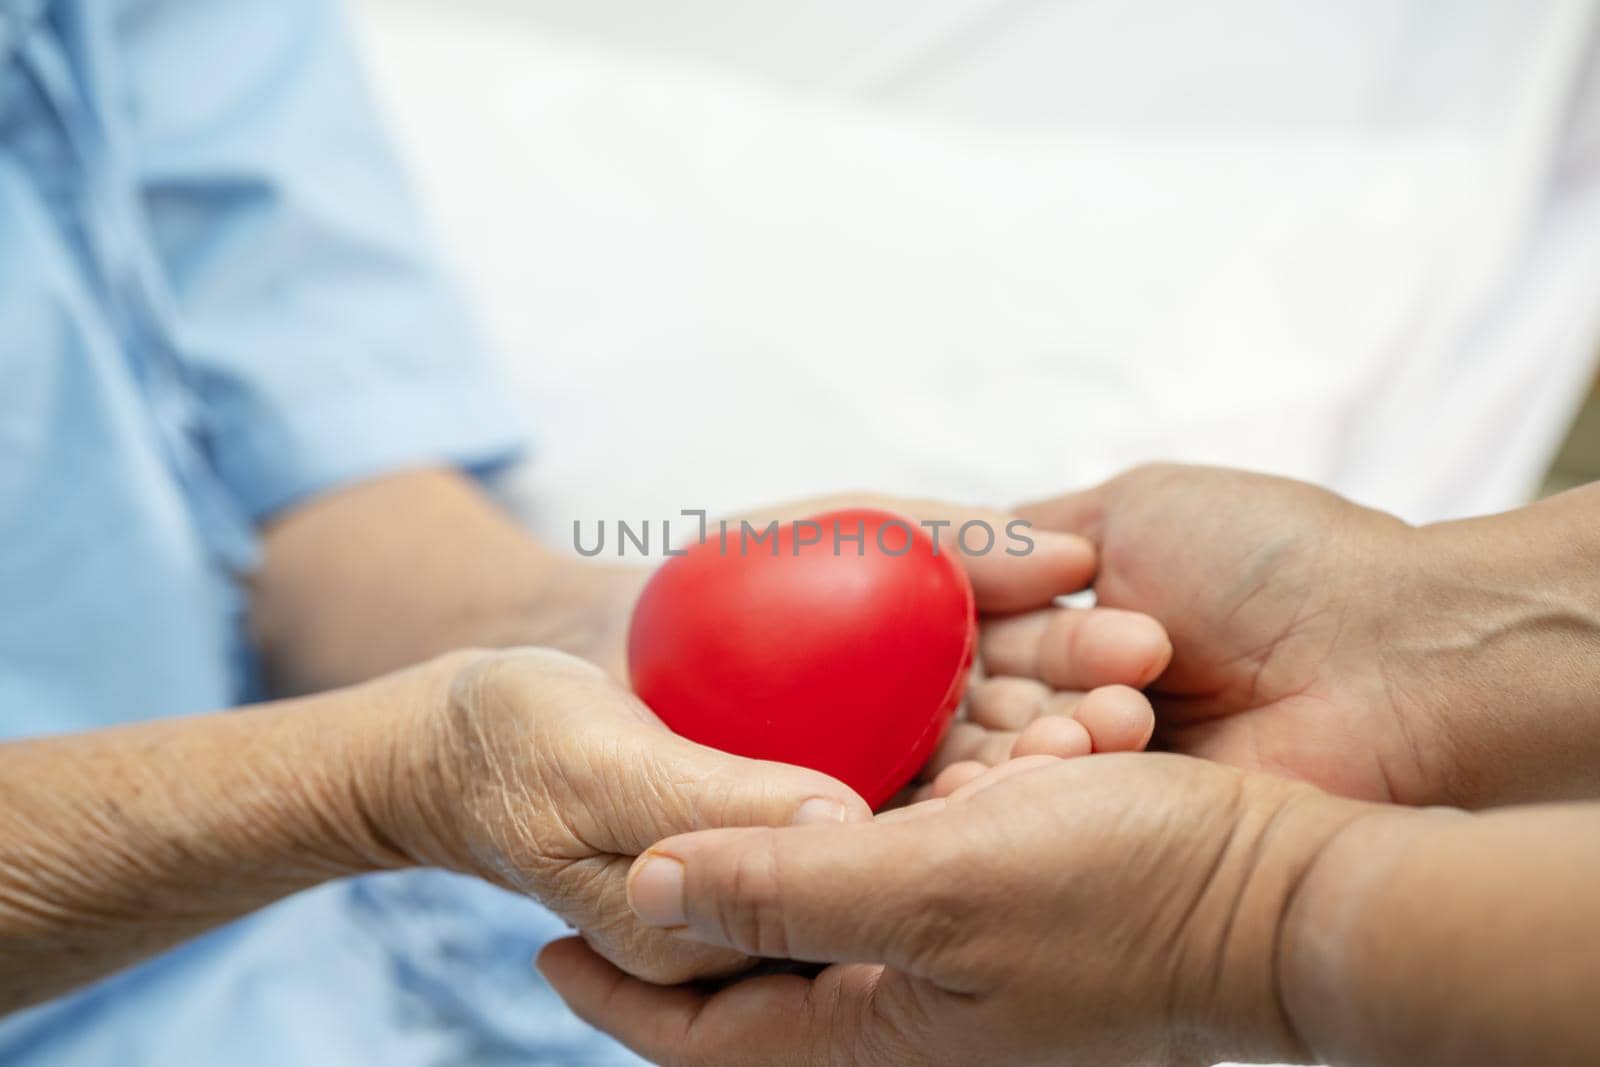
(530, 768)
(535, 770)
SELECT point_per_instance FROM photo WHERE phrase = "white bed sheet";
(1341, 250)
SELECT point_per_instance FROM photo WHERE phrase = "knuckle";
(470, 677)
(483, 687)
(1061, 648)
(713, 798)
(738, 794)
(523, 669)
(749, 901)
(479, 706)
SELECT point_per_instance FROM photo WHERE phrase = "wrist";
(1282, 831)
(1496, 650)
(404, 779)
(137, 837)
(1331, 932)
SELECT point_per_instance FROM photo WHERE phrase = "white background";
(735, 251)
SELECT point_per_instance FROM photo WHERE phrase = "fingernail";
(818, 810)
(655, 892)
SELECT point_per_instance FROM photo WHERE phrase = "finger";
(967, 742)
(782, 1021)
(1007, 703)
(1053, 735)
(650, 783)
(873, 893)
(673, 1024)
(957, 775)
(593, 897)
(647, 1018)
(993, 776)
(1077, 649)
(1082, 513)
(1012, 566)
(1118, 718)
(1051, 565)
(928, 804)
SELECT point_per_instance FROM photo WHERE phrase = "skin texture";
(1129, 909)
(1157, 877)
(533, 769)
(525, 768)
(1455, 664)
(1439, 938)
(1451, 664)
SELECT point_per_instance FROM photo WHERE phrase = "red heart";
(813, 646)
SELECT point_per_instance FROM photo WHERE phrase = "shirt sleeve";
(313, 320)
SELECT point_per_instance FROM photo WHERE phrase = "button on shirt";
(214, 301)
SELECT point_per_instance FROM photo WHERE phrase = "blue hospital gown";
(215, 300)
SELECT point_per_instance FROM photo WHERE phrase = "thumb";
(869, 893)
(1085, 512)
(1012, 567)
(1082, 513)
(662, 784)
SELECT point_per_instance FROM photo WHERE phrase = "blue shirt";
(214, 300)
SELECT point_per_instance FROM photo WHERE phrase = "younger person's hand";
(1443, 664)
(1116, 909)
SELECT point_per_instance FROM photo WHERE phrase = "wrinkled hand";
(534, 770)
(1117, 909)
(1287, 608)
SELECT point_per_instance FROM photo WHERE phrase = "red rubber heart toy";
(840, 642)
